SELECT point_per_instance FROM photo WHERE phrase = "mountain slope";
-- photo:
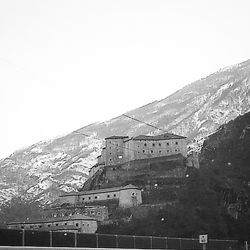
(195, 111)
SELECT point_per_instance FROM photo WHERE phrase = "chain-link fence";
(68, 239)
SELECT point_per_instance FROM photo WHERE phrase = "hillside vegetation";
(214, 199)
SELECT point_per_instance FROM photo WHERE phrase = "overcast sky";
(66, 64)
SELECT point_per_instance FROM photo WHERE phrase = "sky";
(66, 63)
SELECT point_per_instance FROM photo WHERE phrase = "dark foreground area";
(70, 239)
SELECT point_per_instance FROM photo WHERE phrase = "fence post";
(75, 239)
(23, 238)
(97, 243)
(180, 242)
(166, 239)
(151, 242)
(50, 239)
(116, 241)
(134, 240)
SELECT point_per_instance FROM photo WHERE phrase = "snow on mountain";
(45, 169)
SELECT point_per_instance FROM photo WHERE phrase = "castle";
(82, 211)
(121, 149)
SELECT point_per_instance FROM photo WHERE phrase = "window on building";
(83, 198)
(114, 195)
(110, 153)
(96, 197)
(22, 227)
(31, 226)
(159, 144)
(176, 150)
(108, 196)
(89, 198)
(153, 144)
(57, 224)
(145, 144)
(152, 151)
(143, 151)
(110, 159)
(65, 223)
(159, 151)
(109, 147)
(176, 142)
(40, 226)
(49, 225)
(77, 224)
(168, 151)
(138, 152)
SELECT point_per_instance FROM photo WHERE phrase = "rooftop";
(55, 219)
(116, 137)
(166, 136)
(98, 191)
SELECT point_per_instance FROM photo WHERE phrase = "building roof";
(116, 137)
(166, 136)
(54, 219)
(98, 191)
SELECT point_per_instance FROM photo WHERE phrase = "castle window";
(153, 144)
(176, 150)
(110, 153)
(159, 144)
(138, 152)
(49, 225)
(96, 197)
(22, 227)
(109, 147)
(77, 224)
(143, 151)
(108, 196)
(152, 151)
(56, 224)
(114, 195)
(168, 151)
(176, 142)
(83, 198)
(31, 226)
(159, 151)
(40, 226)
(65, 223)
(110, 159)
(145, 144)
(89, 198)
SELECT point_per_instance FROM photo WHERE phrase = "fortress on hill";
(151, 159)
(121, 149)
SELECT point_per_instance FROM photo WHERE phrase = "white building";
(127, 196)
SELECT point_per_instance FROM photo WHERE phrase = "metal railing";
(70, 239)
